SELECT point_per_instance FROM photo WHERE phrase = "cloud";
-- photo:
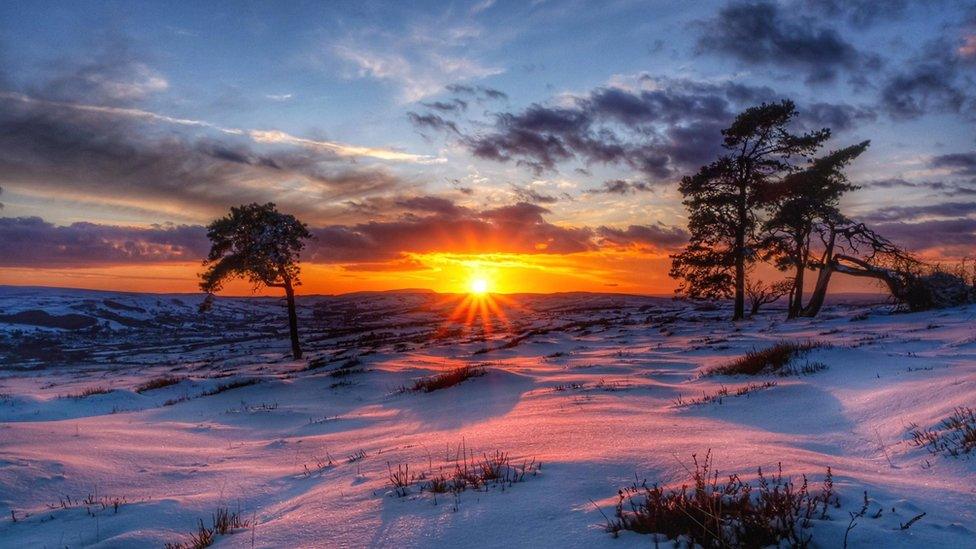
(479, 92)
(950, 188)
(109, 150)
(433, 122)
(945, 230)
(455, 105)
(968, 48)
(656, 237)
(928, 211)
(426, 224)
(528, 194)
(839, 117)
(958, 163)
(258, 136)
(275, 136)
(946, 238)
(417, 63)
(33, 242)
(937, 80)
(619, 186)
(655, 127)
(859, 12)
(762, 33)
(113, 74)
(58, 149)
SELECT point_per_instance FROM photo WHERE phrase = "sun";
(479, 286)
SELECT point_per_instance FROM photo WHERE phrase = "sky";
(537, 145)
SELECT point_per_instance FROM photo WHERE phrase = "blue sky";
(360, 75)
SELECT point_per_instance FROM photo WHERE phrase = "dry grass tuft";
(202, 538)
(158, 383)
(447, 379)
(228, 386)
(719, 396)
(495, 469)
(769, 360)
(735, 513)
(954, 436)
(224, 522)
(89, 391)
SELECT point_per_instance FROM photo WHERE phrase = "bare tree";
(761, 293)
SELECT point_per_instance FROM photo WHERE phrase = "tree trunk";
(796, 298)
(740, 277)
(740, 257)
(819, 292)
(823, 278)
(296, 349)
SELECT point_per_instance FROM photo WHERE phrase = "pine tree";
(725, 199)
(798, 203)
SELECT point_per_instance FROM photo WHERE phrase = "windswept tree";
(262, 245)
(725, 199)
(798, 204)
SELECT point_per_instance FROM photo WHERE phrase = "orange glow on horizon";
(488, 275)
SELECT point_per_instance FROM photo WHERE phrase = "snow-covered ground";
(595, 388)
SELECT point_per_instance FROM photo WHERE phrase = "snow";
(591, 392)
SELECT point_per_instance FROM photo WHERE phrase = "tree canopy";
(255, 242)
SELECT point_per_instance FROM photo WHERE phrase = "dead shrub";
(494, 469)
(202, 538)
(401, 479)
(223, 522)
(89, 391)
(229, 386)
(158, 383)
(719, 396)
(731, 514)
(447, 379)
(769, 360)
(954, 436)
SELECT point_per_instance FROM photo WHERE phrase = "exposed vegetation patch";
(447, 379)
(158, 383)
(316, 363)
(228, 386)
(765, 361)
(494, 469)
(351, 366)
(223, 522)
(89, 391)
(805, 369)
(954, 436)
(343, 372)
(774, 512)
(718, 396)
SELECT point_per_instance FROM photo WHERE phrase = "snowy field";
(584, 393)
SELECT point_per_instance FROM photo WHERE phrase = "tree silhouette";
(798, 203)
(760, 293)
(260, 244)
(724, 200)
